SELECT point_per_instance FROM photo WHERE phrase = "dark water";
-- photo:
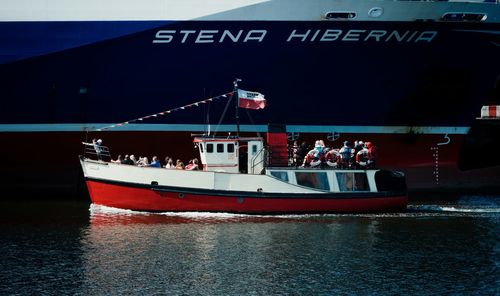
(56, 248)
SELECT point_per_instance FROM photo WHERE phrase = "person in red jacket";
(372, 155)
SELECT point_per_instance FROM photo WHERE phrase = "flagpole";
(237, 111)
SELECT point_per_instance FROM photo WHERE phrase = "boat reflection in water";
(229, 254)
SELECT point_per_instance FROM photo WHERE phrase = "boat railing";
(96, 152)
(259, 161)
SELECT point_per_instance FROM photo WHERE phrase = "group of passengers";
(361, 155)
(179, 165)
(102, 154)
(169, 163)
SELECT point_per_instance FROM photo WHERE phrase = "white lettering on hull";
(209, 36)
(302, 36)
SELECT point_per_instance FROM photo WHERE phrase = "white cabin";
(232, 155)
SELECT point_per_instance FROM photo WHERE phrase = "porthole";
(181, 195)
(464, 17)
(340, 15)
(375, 12)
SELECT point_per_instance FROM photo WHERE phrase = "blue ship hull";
(404, 85)
(313, 73)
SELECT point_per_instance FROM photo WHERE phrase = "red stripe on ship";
(492, 111)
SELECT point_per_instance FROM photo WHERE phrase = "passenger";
(301, 154)
(155, 163)
(99, 149)
(118, 160)
(145, 161)
(293, 153)
(372, 155)
(314, 158)
(133, 160)
(189, 165)
(97, 144)
(362, 157)
(193, 165)
(166, 161)
(179, 165)
(322, 144)
(308, 158)
(318, 146)
(127, 160)
(332, 157)
(170, 164)
(358, 146)
(346, 155)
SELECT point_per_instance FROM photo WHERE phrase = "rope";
(166, 112)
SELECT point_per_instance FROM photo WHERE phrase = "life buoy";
(332, 158)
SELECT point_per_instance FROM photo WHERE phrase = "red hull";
(145, 199)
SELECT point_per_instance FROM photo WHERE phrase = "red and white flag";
(251, 100)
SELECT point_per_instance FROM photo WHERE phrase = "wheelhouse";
(232, 155)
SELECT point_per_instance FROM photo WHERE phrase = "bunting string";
(166, 112)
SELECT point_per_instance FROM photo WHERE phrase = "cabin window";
(201, 147)
(220, 148)
(464, 17)
(314, 180)
(340, 15)
(230, 148)
(352, 181)
(283, 176)
(210, 148)
(254, 149)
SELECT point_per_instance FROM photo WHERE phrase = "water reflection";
(444, 248)
(426, 248)
(213, 253)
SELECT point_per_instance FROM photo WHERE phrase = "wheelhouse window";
(210, 148)
(464, 17)
(201, 147)
(230, 148)
(220, 148)
(340, 15)
(349, 181)
(283, 176)
(316, 180)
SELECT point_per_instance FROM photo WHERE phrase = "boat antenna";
(237, 112)
(207, 112)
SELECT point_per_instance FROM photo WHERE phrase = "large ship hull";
(323, 73)
(413, 86)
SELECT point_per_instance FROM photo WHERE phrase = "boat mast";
(237, 112)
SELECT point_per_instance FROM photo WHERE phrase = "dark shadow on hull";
(480, 146)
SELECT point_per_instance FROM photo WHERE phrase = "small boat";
(242, 175)
(239, 175)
